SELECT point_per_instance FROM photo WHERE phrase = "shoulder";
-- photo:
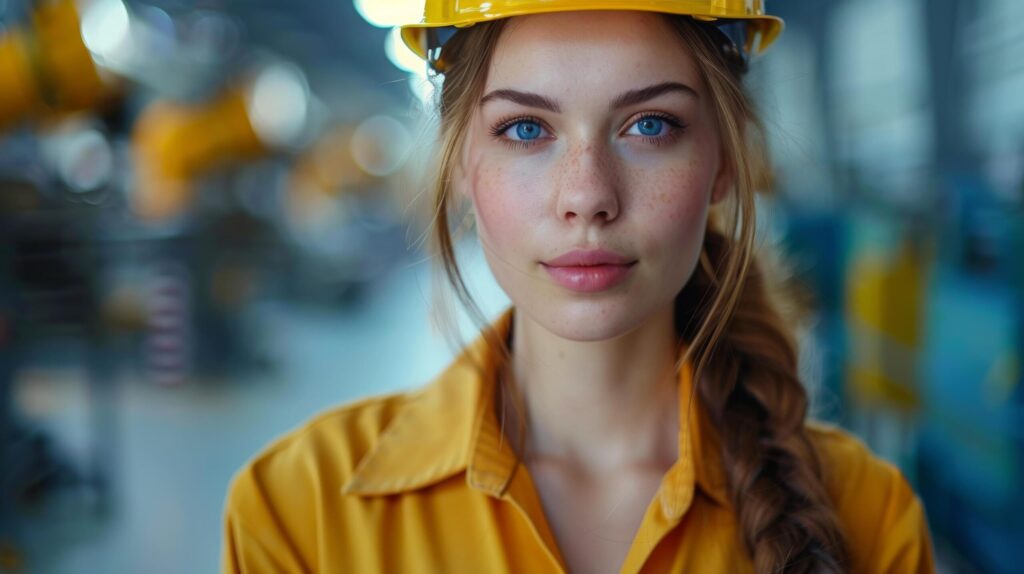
(883, 519)
(340, 435)
(847, 459)
(853, 473)
(329, 445)
(272, 500)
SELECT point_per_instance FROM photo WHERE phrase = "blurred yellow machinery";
(174, 144)
(47, 72)
(45, 69)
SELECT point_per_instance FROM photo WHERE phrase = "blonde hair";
(728, 317)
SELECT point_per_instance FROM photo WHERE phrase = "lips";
(589, 271)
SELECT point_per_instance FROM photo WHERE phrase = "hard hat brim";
(765, 28)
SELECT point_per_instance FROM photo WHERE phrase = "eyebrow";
(650, 92)
(629, 98)
(527, 99)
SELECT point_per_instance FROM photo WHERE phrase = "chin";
(588, 320)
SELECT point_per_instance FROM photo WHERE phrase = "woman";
(610, 159)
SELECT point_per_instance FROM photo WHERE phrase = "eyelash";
(676, 128)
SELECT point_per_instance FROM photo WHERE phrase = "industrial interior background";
(212, 223)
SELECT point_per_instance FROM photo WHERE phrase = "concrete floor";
(178, 447)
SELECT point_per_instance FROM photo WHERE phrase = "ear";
(459, 182)
(725, 182)
(461, 174)
(460, 196)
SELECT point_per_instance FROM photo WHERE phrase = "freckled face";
(568, 151)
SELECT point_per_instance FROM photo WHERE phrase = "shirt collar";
(450, 426)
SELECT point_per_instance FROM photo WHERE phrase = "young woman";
(637, 409)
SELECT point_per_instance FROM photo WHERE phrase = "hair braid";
(758, 405)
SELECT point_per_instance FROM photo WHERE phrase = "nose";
(587, 185)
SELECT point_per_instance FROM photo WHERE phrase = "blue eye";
(527, 130)
(521, 132)
(650, 126)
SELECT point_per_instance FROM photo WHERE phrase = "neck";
(596, 404)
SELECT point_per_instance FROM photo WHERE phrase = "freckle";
(561, 355)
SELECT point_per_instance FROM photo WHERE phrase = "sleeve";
(884, 521)
(904, 542)
(254, 541)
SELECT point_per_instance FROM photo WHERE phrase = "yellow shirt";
(423, 482)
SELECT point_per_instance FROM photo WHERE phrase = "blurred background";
(212, 227)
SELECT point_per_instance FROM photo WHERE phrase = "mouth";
(589, 271)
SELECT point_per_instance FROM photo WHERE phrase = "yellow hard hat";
(744, 22)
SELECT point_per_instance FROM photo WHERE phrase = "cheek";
(503, 204)
(673, 200)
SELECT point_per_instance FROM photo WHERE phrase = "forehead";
(590, 52)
